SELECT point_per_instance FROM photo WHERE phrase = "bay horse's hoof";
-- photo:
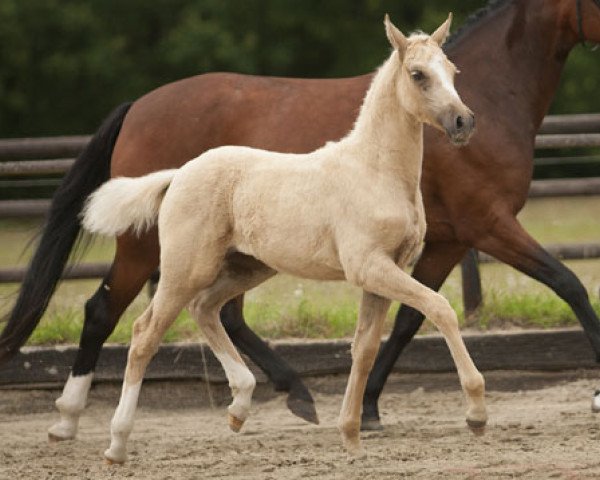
(477, 427)
(371, 425)
(235, 423)
(596, 402)
(301, 404)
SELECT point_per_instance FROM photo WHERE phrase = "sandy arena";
(540, 427)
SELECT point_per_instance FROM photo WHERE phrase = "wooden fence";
(20, 158)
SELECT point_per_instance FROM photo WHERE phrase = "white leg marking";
(70, 405)
(242, 384)
(596, 402)
(122, 423)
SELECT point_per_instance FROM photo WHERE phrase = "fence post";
(471, 282)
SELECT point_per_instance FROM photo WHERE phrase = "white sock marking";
(242, 384)
(70, 405)
(122, 422)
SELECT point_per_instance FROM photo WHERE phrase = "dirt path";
(544, 430)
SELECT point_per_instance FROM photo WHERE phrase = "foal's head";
(426, 82)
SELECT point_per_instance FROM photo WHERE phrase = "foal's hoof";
(59, 432)
(596, 402)
(114, 456)
(235, 423)
(110, 461)
(55, 438)
(477, 427)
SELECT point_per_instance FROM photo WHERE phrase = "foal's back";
(293, 212)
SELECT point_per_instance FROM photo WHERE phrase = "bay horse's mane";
(474, 19)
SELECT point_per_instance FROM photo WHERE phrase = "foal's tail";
(124, 203)
(60, 233)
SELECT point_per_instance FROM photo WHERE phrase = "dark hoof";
(371, 425)
(477, 427)
(596, 402)
(301, 404)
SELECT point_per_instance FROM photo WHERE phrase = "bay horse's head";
(583, 18)
(426, 82)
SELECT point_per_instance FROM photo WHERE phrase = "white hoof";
(115, 455)
(66, 429)
(596, 402)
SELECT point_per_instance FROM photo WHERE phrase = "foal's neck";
(386, 135)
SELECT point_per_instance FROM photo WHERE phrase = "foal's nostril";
(459, 123)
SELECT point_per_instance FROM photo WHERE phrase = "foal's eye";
(417, 75)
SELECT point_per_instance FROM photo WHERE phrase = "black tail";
(61, 230)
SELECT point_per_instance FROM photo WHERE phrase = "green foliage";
(67, 63)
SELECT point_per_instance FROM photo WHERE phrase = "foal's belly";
(295, 254)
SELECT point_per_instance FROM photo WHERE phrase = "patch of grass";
(524, 310)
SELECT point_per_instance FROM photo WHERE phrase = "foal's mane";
(474, 19)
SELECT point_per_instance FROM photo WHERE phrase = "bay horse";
(471, 194)
(351, 210)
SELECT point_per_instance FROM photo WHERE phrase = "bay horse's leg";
(285, 378)
(511, 244)
(367, 338)
(135, 260)
(384, 278)
(239, 274)
(432, 268)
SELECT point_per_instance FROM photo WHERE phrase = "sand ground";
(541, 427)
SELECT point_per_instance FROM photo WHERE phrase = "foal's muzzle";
(459, 126)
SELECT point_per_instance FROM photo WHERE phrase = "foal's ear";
(442, 32)
(395, 36)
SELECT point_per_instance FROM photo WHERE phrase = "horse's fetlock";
(247, 382)
(475, 384)
(121, 426)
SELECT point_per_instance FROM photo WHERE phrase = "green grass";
(286, 307)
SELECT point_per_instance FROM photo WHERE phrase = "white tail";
(124, 203)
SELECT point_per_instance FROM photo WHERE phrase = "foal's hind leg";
(134, 262)
(148, 331)
(284, 377)
(239, 274)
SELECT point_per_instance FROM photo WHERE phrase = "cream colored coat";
(352, 210)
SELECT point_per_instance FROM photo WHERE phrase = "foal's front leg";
(365, 346)
(382, 276)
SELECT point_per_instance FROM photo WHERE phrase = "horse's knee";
(439, 311)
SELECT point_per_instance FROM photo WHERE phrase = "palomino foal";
(235, 216)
